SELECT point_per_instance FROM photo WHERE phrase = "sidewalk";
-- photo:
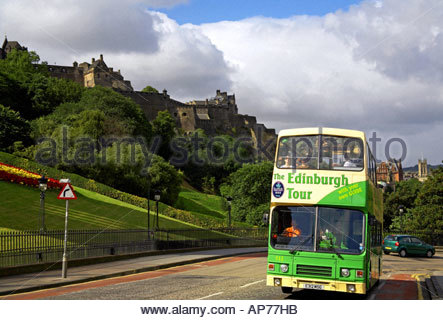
(435, 285)
(51, 279)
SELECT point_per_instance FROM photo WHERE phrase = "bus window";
(340, 230)
(341, 153)
(293, 228)
(299, 152)
(336, 153)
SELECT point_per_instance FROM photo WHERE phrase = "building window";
(184, 114)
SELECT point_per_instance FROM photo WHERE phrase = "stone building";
(216, 115)
(92, 74)
(8, 46)
(422, 169)
(390, 172)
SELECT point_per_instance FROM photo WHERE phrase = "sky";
(210, 11)
(372, 65)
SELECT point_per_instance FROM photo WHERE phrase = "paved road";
(240, 277)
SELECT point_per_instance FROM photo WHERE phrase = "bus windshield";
(320, 152)
(320, 229)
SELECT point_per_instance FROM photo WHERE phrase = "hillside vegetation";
(20, 210)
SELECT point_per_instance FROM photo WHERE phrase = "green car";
(407, 245)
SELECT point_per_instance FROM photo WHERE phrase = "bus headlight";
(277, 282)
(284, 268)
(350, 288)
(345, 272)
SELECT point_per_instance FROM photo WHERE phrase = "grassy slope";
(194, 201)
(20, 210)
(202, 204)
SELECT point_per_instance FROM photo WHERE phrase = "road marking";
(211, 295)
(419, 287)
(252, 283)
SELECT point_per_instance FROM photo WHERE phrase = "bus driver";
(292, 230)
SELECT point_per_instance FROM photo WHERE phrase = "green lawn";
(194, 201)
(20, 210)
(205, 206)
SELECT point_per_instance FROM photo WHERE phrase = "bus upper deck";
(324, 200)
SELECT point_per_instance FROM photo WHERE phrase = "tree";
(164, 126)
(149, 89)
(166, 178)
(21, 65)
(405, 194)
(129, 116)
(428, 212)
(250, 189)
(26, 87)
(12, 127)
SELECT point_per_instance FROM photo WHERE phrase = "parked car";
(407, 245)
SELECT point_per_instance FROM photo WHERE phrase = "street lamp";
(42, 185)
(149, 210)
(157, 199)
(229, 199)
(401, 210)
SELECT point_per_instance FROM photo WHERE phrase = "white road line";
(252, 283)
(211, 295)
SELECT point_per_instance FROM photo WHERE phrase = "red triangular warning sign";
(67, 193)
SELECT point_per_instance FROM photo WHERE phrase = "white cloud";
(147, 46)
(376, 68)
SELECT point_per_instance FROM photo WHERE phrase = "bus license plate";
(389, 248)
(314, 286)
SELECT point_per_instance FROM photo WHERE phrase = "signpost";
(67, 193)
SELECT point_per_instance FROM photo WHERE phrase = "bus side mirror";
(266, 219)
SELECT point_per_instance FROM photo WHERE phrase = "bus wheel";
(286, 289)
(402, 253)
(386, 252)
(429, 254)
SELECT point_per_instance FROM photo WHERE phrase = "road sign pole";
(65, 244)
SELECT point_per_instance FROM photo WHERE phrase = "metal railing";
(29, 247)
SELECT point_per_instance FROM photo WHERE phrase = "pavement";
(434, 284)
(53, 278)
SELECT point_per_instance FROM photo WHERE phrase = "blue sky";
(207, 11)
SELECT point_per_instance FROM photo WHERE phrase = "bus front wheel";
(403, 253)
(286, 289)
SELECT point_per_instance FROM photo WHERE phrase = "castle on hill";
(216, 115)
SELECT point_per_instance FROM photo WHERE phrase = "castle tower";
(422, 169)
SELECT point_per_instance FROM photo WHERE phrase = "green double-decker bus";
(326, 215)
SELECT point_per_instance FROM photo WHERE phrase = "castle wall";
(69, 73)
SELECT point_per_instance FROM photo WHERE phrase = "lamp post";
(42, 185)
(401, 210)
(157, 199)
(149, 210)
(229, 199)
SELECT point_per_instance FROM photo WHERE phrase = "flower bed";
(21, 176)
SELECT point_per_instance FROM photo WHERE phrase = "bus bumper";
(305, 283)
